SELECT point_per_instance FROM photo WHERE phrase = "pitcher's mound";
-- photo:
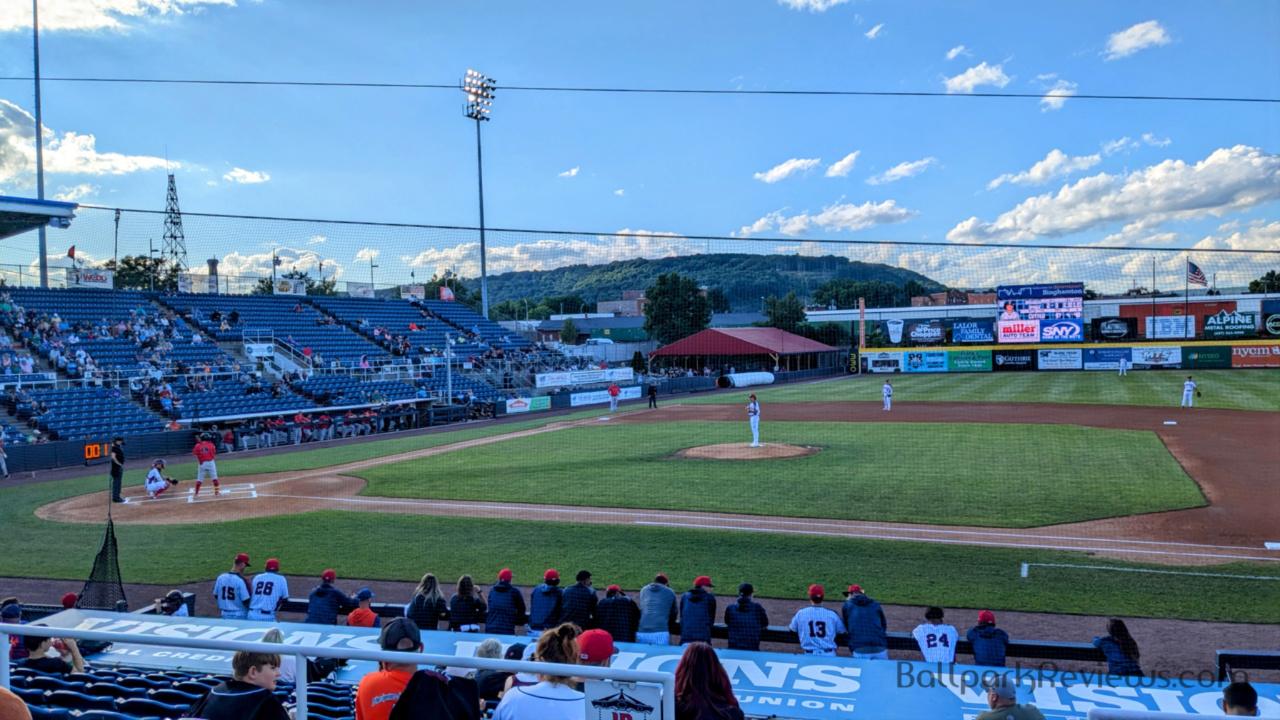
(744, 451)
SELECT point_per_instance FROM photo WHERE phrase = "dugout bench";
(1229, 660)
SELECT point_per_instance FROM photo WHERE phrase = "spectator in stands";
(248, 696)
(39, 660)
(491, 683)
(937, 641)
(327, 602)
(546, 604)
(363, 615)
(553, 698)
(427, 608)
(172, 605)
(658, 605)
(866, 624)
(466, 608)
(697, 612)
(1239, 698)
(234, 317)
(1120, 648)
(989, 641)
(618, 615)
(11, 614)
(288, 663)
(746, 620)
(703, 690)
(506, 606)
(596, 648)
(580, 602)
(1002, 698)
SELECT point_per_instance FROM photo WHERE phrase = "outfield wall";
(1027, 358)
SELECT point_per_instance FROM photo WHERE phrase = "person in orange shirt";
(379, 691)
(363, 616)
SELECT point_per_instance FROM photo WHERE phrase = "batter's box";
(243, 491)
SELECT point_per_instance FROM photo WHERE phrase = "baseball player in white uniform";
(887, 393)
(817, 626)
(232, 592)
(268, 590)
(1124, 366)
(936, 640)
(753, 414)
(156, 482)
(1188, 393)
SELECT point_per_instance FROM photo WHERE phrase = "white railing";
(302, 652)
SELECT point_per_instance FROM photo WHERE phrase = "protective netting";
(104, 589)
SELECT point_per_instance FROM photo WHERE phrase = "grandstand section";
(79, 414)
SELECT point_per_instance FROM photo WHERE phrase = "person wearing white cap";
(1002, 698)
(753, 414)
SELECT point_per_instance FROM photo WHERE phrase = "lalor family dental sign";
(766, 684)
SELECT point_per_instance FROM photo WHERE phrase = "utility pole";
(115, 253)
(35, 45)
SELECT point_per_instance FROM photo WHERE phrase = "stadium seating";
(229, 397)
(80, 305)
(465, 318)
(450, 321)
(438, 385)
(346, 390)
(78, 413)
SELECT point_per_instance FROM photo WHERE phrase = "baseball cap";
(550, 575)
(661, 578)
(504, 575)
(746, 589)
(272, 565)
(69, 601)
(364, 594)
(328, 576)
(816, 592)
(515, 651)
(11, 611)
(1002, 685)
(174, 595)
(613, 588)
(753, 397)
(397, 630)
(853, 590)
(242, 558)
(703, 580)
(986, 616)
(596, 645)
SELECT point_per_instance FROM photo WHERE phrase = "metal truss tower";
(174, 247)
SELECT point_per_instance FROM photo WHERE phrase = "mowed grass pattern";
(1222, 389)
(971, 474)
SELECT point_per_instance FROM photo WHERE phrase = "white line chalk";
(1026, 566)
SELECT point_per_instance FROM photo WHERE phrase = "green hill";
(745, 278)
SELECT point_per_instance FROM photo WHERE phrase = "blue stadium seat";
(112, 690)
(170, 696)
(30, 697)
(104, 715)
(142, 707)
(144, 683)
(79, 701)
(40, 713)
(52, 683)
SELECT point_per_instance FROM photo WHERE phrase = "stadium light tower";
(479, 89)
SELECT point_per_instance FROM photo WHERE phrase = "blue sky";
(1033, 171)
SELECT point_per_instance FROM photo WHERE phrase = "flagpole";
(1186, 293)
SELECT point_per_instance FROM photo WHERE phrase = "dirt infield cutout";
(744, 451)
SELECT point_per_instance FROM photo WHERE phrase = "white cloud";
(1258, 235)
(1057, 95)
(1124, 144)
(95, 14)
(1056, 164)
(842, 167)
(316, 240)
(982, 74)
(259, 264)
(568, 173)
(1140, 36)
(550, 253)
(246, 177)
(619, 192)
(874, 32)
(76, 193)
(1230, 179)
(957, 51)
(901, 170)
(367, 255)
(73, 154)
(836, 217)
(787, 169)
(812, 5)
(1152, 140)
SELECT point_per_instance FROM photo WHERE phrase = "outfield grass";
(1223, 389)
(402, 547)
(966, 474)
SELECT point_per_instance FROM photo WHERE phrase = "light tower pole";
(480, 89)
(35, 51)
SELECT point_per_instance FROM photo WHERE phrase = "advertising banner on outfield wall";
(1230, 325)
(583, 377)
(1013, 360)
(968, 361)
(1255, 356)
(1106, 358)
(931, 332)
(1171, 327)
(91, 278)
(602, 396)
(925, 361)
(1202, 358)
(1157, 358)
(980, 331)
(521, 405)
(1270, 326)
(881, 362)
(1058, 360)
(1115, 329)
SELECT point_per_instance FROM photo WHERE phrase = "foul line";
(1025, 567)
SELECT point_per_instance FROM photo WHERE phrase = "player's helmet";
(206, 436)
(158, 463)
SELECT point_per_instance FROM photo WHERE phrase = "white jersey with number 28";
(268, 590)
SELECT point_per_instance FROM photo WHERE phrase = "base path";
(1231, 454)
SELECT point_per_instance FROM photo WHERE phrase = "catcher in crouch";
(156, 481)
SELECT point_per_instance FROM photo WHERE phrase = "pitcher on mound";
(753, 415)
(204, 452)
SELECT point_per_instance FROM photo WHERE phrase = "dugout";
(748, 349)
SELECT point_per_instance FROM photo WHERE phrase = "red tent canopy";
(743, 341)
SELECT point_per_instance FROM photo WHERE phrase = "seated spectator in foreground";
(817, 626)
(11, 614)
(363, 615)
(618, 615)
(13, 708)
(989, 641)
(596, 648)
(466, 608)
(1002, 698)
(39, 647)
(1239, 698)
(553, 698)
(866, 624)
(288, 663)
(697, 612)
(379, 691)
(703, 690)
(326, 602)
(491, 682)
(746, 619)
(1120, 648)
(937, 641)
(506, 607)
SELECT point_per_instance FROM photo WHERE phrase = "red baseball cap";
(272, 565)
(613, 588)
(504, 575)
(550, 575)
(69, 601)
(661, 577)
(242, 558)
(703, 580)
(816, 592)
(853, 590)
(986, 616)
(328, 576)
(595, 646)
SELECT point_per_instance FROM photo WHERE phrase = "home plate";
(242, 491)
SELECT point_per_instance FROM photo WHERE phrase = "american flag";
(1195, 275)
